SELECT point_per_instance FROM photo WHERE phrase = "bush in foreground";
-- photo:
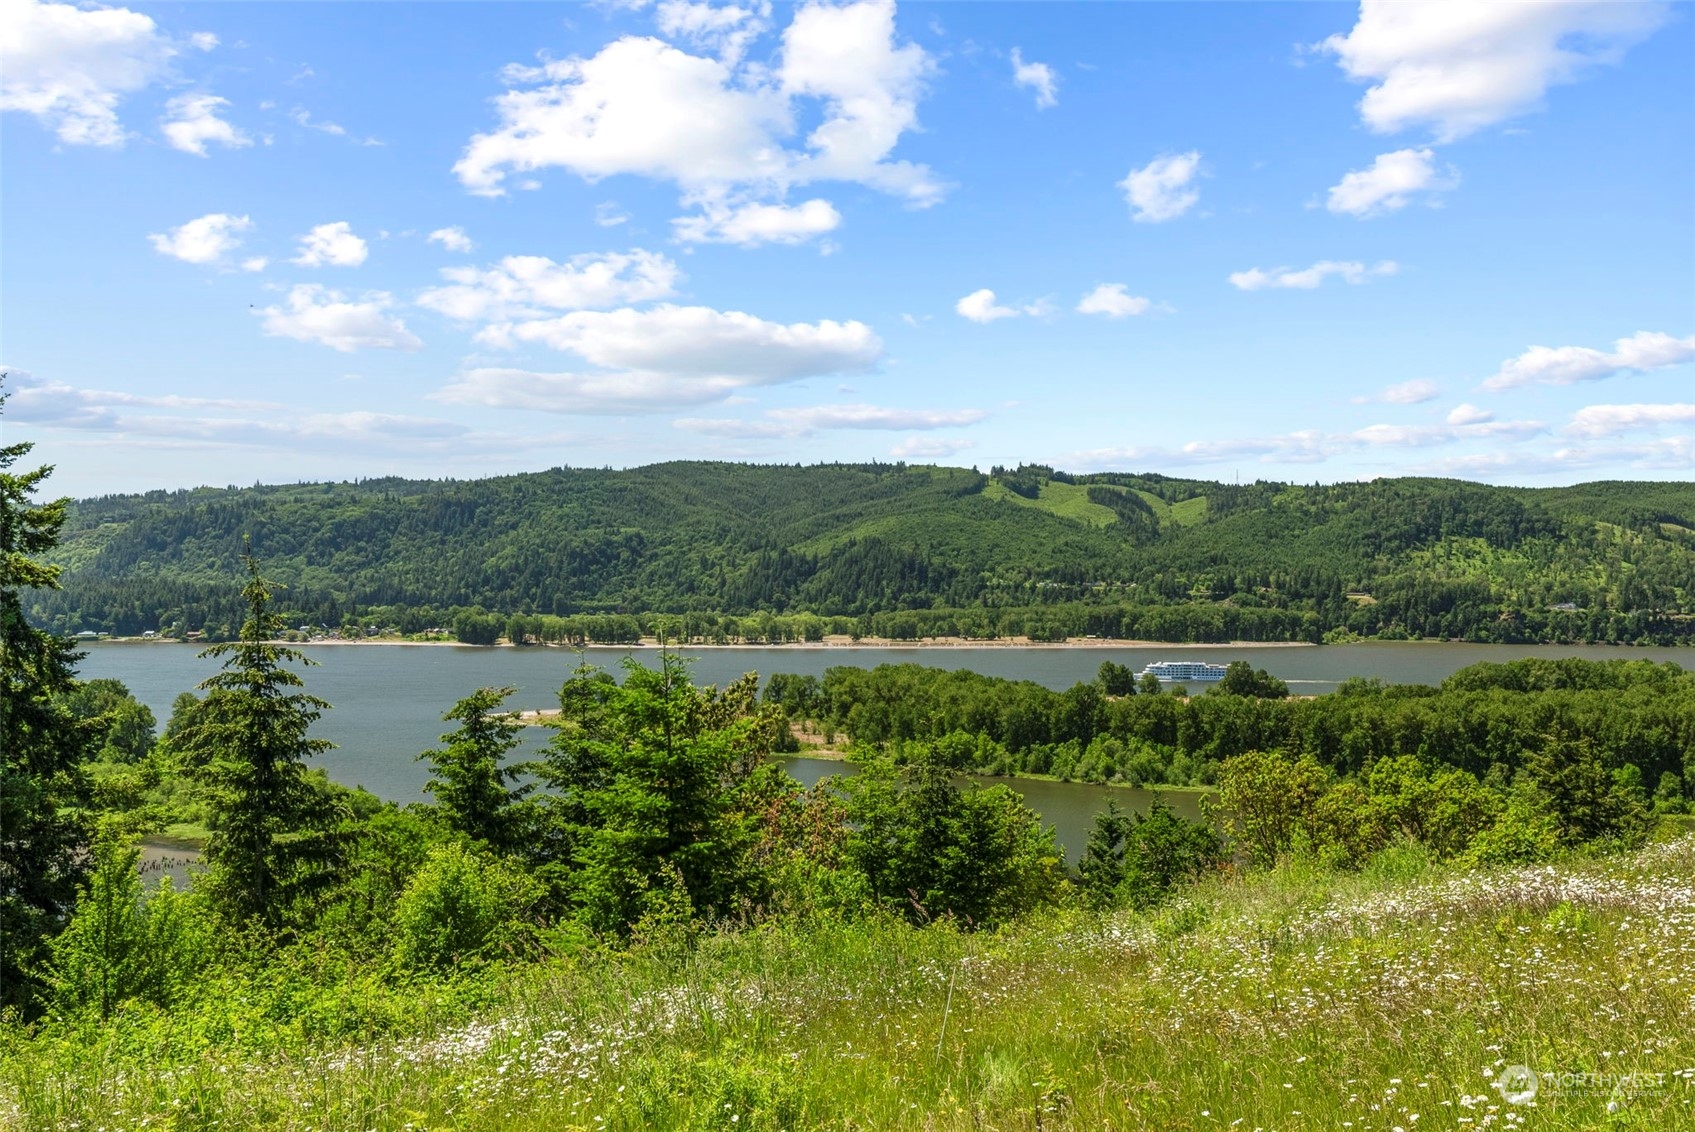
(1294, 998)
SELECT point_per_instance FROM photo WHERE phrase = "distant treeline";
(767, 553)
(1484, 719)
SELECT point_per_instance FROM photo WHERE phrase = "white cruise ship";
(1185, 671)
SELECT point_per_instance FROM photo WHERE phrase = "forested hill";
(907, 551)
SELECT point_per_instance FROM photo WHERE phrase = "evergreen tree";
(272, 844)
(651, 782)
(1101, 868)
(469, 783)
(44, 788)
(931, 849)
(1142, 858)
(1587, 799)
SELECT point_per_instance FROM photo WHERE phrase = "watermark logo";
(1518, 1084)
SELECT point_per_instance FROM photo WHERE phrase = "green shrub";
(122, 945)
(461, 907)
(1140, 859)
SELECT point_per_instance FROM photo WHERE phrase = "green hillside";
(911, 550)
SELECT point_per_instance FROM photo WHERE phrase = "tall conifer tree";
(469, 782)
(44, 789)
(272, 843)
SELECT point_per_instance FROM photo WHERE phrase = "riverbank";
(925, 644)
(841, 641)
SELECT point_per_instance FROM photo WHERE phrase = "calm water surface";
(389, 698)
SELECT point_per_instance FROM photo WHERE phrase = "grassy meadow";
(1387, 999)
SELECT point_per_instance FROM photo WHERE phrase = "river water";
(389, 698)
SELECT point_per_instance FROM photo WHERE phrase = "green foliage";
(1141, 859)
(1117, 679)
(1351, 990)
(1588, 800)
(1636, 713)
(1523, 832)
(182, 716)
(651, 780)
(931, 849)
(381, 852)
(44, 787)
(272, 846)
(723, 551)
(1267, 803)
(128, 723)
(468, 781)
(476, 628)
(1442, 808)
(1242, 679)
(463, 906)
(121, 946)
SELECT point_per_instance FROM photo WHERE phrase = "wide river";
(389, 698)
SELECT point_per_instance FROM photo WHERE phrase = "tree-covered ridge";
(1393, 557)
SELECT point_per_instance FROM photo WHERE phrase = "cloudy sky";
(249, 242)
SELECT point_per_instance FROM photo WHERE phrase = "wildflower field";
(1398, 997)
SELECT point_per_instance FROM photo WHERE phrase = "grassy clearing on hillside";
(1387, 1000)
(1067, 500)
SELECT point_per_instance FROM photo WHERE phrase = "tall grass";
(1391, 999)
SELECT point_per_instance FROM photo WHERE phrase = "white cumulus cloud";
(702, 342)
(1567, 365)
(1390, 183)
(1469, 414)
(1039, 77)
(727, 29)
(1459, 67)
(1112, 300)
(752, 224)
(1611, 420)
(661, 358)
(70, 67)
(981, 306)
(639, 106)
(453, 239)
(529, 286)
(718, 128)
(1307, 278)
(1164, 188)
(313, 313)
(205, 239)
(332, 245)
(191, 122)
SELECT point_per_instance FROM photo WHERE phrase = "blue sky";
(256, 242)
